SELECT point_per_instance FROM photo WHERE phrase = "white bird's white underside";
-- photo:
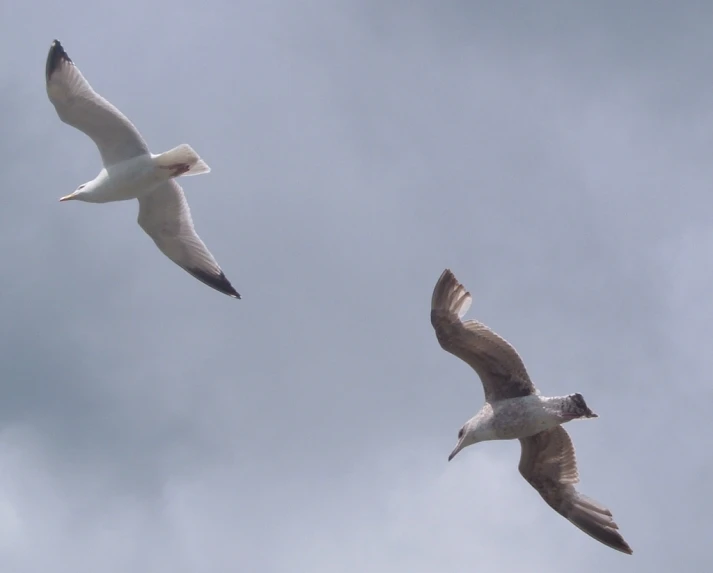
(163, 211)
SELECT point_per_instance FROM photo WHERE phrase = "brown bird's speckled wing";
(548, 463)
(498, 364)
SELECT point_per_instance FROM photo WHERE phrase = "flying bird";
(131, 171)
(514, 409)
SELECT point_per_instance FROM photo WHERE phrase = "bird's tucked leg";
(177, 169)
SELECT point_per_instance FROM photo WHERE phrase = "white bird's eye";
(81, 187)
(460, 434)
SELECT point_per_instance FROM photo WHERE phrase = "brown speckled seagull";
(514, 409)
(132, 172)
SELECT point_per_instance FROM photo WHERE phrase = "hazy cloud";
(556, 157)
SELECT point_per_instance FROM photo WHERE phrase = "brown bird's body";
(514, 410)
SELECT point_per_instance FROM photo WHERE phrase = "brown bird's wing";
(548, 463)
(497, 363)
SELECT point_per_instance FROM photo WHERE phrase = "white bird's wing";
(78, 105)
(548, 463)
(497, 363)
(166, 218)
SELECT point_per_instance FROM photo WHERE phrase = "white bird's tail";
(449, 297)
(181, 160)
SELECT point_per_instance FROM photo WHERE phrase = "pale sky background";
(556, 157)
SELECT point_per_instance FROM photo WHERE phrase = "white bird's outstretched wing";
(78, 105)
(166, 218)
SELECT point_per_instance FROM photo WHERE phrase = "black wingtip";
(612, 538)
(56, 56)
(218, 282)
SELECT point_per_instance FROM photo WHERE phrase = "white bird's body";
(131, 171)
(138, 176)
(129, 179)
(514, 409)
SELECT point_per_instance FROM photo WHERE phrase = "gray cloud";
(555, 158)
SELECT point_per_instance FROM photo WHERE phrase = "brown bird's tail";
(578, 407)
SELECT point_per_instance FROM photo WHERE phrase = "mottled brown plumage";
(498, 364)
(514, 409)
(548, 463)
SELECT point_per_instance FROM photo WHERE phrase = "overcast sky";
(556, 158)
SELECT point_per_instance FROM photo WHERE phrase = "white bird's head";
(467, 436)
(79, 194)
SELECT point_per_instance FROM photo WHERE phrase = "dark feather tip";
(218, 282)
(56, 56)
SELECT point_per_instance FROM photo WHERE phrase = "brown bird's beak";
(457, 449)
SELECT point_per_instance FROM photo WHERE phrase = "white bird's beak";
(67, 197)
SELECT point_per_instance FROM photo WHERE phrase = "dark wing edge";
(55, 58)
(217, 281)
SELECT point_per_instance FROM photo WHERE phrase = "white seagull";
(131, 171)
(514, 409)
